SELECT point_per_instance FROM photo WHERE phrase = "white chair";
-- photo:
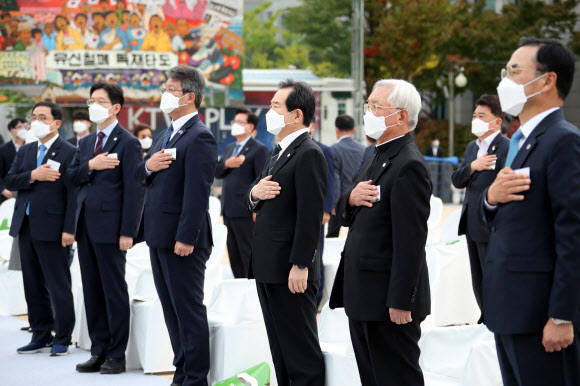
(436, 212)
(339, 359)
(7, 210)
(213, 267)
(433, 265)
(12, 301)
(333, 247)
(238, 338)
(450, 229)
(215, 209)
(445, 350)
(145, 288)
(482, 368)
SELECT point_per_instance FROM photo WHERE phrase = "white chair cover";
(482, 367)
(331, 259)
(433, 265)
(450, 229)
(5, 245)
(213, 267)
(12, 301)
(215, 209)
(7, 210)
(436, 212)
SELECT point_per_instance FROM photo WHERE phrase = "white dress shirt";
(530, 125)
(47, 144)
(179, 122)
(484, 145)
(107, 131)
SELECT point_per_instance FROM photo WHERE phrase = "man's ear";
(298, 116)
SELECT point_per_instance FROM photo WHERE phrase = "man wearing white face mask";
(17, 128)
(241, 164)
(107, 219)
(81, 126)
(531, 277)
(44, 222)
(382, 280)
(288, 199)
(482, 161)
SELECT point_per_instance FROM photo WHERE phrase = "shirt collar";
(344, 136)
(179, 122)
(390, 140)
(487, 141)
(287, 141)
(109, 129)
(49, 143)
(16, 146)
(530, 125)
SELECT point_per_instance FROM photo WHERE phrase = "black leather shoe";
(93, 365)
(113, 366)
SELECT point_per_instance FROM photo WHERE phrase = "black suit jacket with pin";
(287, 227)
(177, 198)
(112, 197)
(383, 263)
(475, 183)
(532, 266)
(237, 181)
(52, 203)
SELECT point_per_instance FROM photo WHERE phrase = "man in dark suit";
(482, 161)
(328, 202)
(288, 198)
(241, 164)
(348, 155)
(8, 153)
(435, 150)
(531, 278)
(107, 217)
(178, 173)
(382, 280)
(81, 126)
(44, 221)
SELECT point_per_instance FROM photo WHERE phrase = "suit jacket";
(348, 155)
(475, 183)
(287, 227)
(73, 141)
(383, 263)
(52, 204)
(112, 197)
(440, 152)
(331, 188)
(237, 181)
(532, 266)
(177, 198)
(7, 155)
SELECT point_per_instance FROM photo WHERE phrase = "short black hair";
(344, 123)
(54, 109)
(114, 91)
(434, 137)
(36, 31)
(81, 115)
(192, 81)
(301, 97)
(553, 56)
(252, 118)
(14, 122)
(491, 101)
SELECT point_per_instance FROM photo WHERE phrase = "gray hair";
(403, 95)
(192, 80)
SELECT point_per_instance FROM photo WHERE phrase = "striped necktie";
(99, 147)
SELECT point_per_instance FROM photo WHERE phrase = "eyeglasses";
(509, 72)
(374, 108)
(169, 90)
(99, 101)
(239, 123)
(41, 118)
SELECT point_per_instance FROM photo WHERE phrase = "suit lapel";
(177, 136)
(383, 161)
(31, 157)
(247, 146)
(53, 151)
(287, 154)
(113, 139)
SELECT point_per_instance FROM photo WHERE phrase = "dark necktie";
(274, 157)
(99, 147)
(167, 136)
(237, 150)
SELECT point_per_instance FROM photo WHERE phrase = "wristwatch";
(300, 266)
(560, 321)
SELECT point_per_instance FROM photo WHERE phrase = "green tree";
(324, 27)
(267, 46)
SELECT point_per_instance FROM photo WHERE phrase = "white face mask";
(375, 126)
(39, 129)
(170, 102)
(79, 127)
(21, 134)
(238, 129)
(512, 96)
(98, 113)
(146, 143)
(479, 127)
(435, 143)
(275, 122)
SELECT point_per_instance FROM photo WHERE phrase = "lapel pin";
(114, 139)
(528, 147)
(385, 164)
(493, 148)
(53, 154)
(288, 155)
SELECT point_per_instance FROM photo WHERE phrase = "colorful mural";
(71, 44)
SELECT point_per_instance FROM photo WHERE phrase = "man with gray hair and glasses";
(382, 281)
(178, 172)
